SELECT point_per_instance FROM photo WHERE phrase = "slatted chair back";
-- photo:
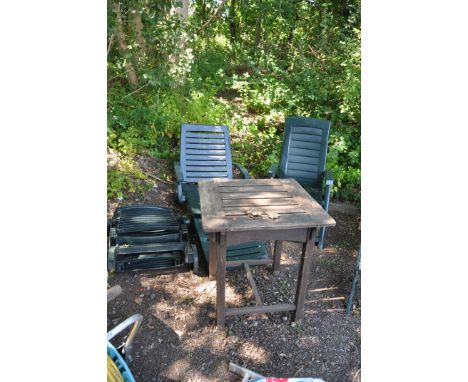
(205, 152)
(304, 150)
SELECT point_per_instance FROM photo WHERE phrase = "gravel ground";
(178, 339)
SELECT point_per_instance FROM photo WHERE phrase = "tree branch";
(110, 43)
(128, 95)
(213, 16)
(120, 35)
(317, 54)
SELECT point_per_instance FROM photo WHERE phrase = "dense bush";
(247, 67)
(123, 173)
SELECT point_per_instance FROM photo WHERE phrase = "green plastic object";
(148, 237)
(304, 151)
(247, 251)
(303, 157)
(205, 153)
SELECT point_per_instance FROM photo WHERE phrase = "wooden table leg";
(277, 255)
(304, 274)
(220, 279)
(212, 256)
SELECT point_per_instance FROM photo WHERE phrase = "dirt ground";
(179, 341)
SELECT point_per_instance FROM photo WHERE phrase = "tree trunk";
(183, 11)
(293, 24)
(258, 30)
(213, 16)
(203, 11)
(120, 37)
(232, 20)
(138, 29)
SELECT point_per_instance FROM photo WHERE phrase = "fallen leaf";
(273, 215)
(253, 213)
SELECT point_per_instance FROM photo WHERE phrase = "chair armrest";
(243, 170)
(328, 175)
(180, 179)
(178, 172)
(329, 178)
(272, 171)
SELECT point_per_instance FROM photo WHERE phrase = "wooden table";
(239, 211)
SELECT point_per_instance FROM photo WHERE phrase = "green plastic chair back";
(304, 151)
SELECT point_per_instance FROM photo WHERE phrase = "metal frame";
(244, 372)
(357, 270)
(249, 375)
(135, 321)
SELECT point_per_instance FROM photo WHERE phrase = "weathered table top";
(258, 204)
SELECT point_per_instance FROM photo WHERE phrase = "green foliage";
(257, 149)
(126, 176)
(117, 183)
(248, 68)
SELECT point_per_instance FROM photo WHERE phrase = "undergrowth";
(311, 71)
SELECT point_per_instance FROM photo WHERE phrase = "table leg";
(277, 255)
(212, 256)
(308, 249)
(220, 279)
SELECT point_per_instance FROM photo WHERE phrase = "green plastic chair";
(303, 157)
(205, 153)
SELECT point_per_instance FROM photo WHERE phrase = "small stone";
(285, 318)
(179, 333)
(153, 296)
(142, 295)
(255, 323)
(293, 324)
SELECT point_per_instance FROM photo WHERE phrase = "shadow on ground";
(179, 340)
